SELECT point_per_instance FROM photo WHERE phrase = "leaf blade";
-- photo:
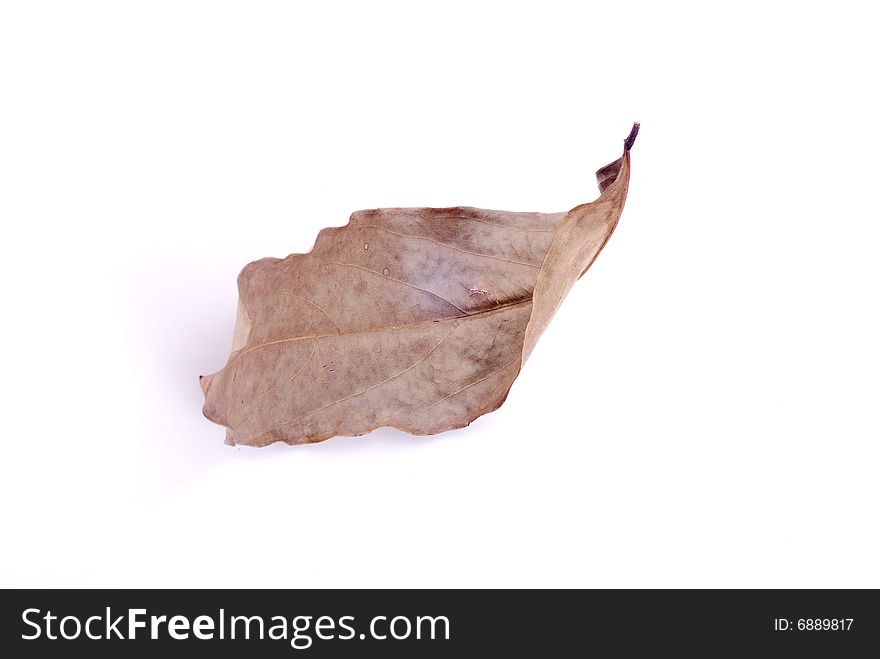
(414, 318)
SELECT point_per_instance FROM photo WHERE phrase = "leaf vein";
(390, 328)
(291, 378)
(483, 379)
(370, 388)
(399, 281)
(448, 246)
(300, 297)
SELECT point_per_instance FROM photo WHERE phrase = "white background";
(703, 410)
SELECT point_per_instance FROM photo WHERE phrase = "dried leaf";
(415, 318)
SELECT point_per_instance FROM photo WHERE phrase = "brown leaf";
(416, 318)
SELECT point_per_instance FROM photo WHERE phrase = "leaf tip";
(631, 138)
